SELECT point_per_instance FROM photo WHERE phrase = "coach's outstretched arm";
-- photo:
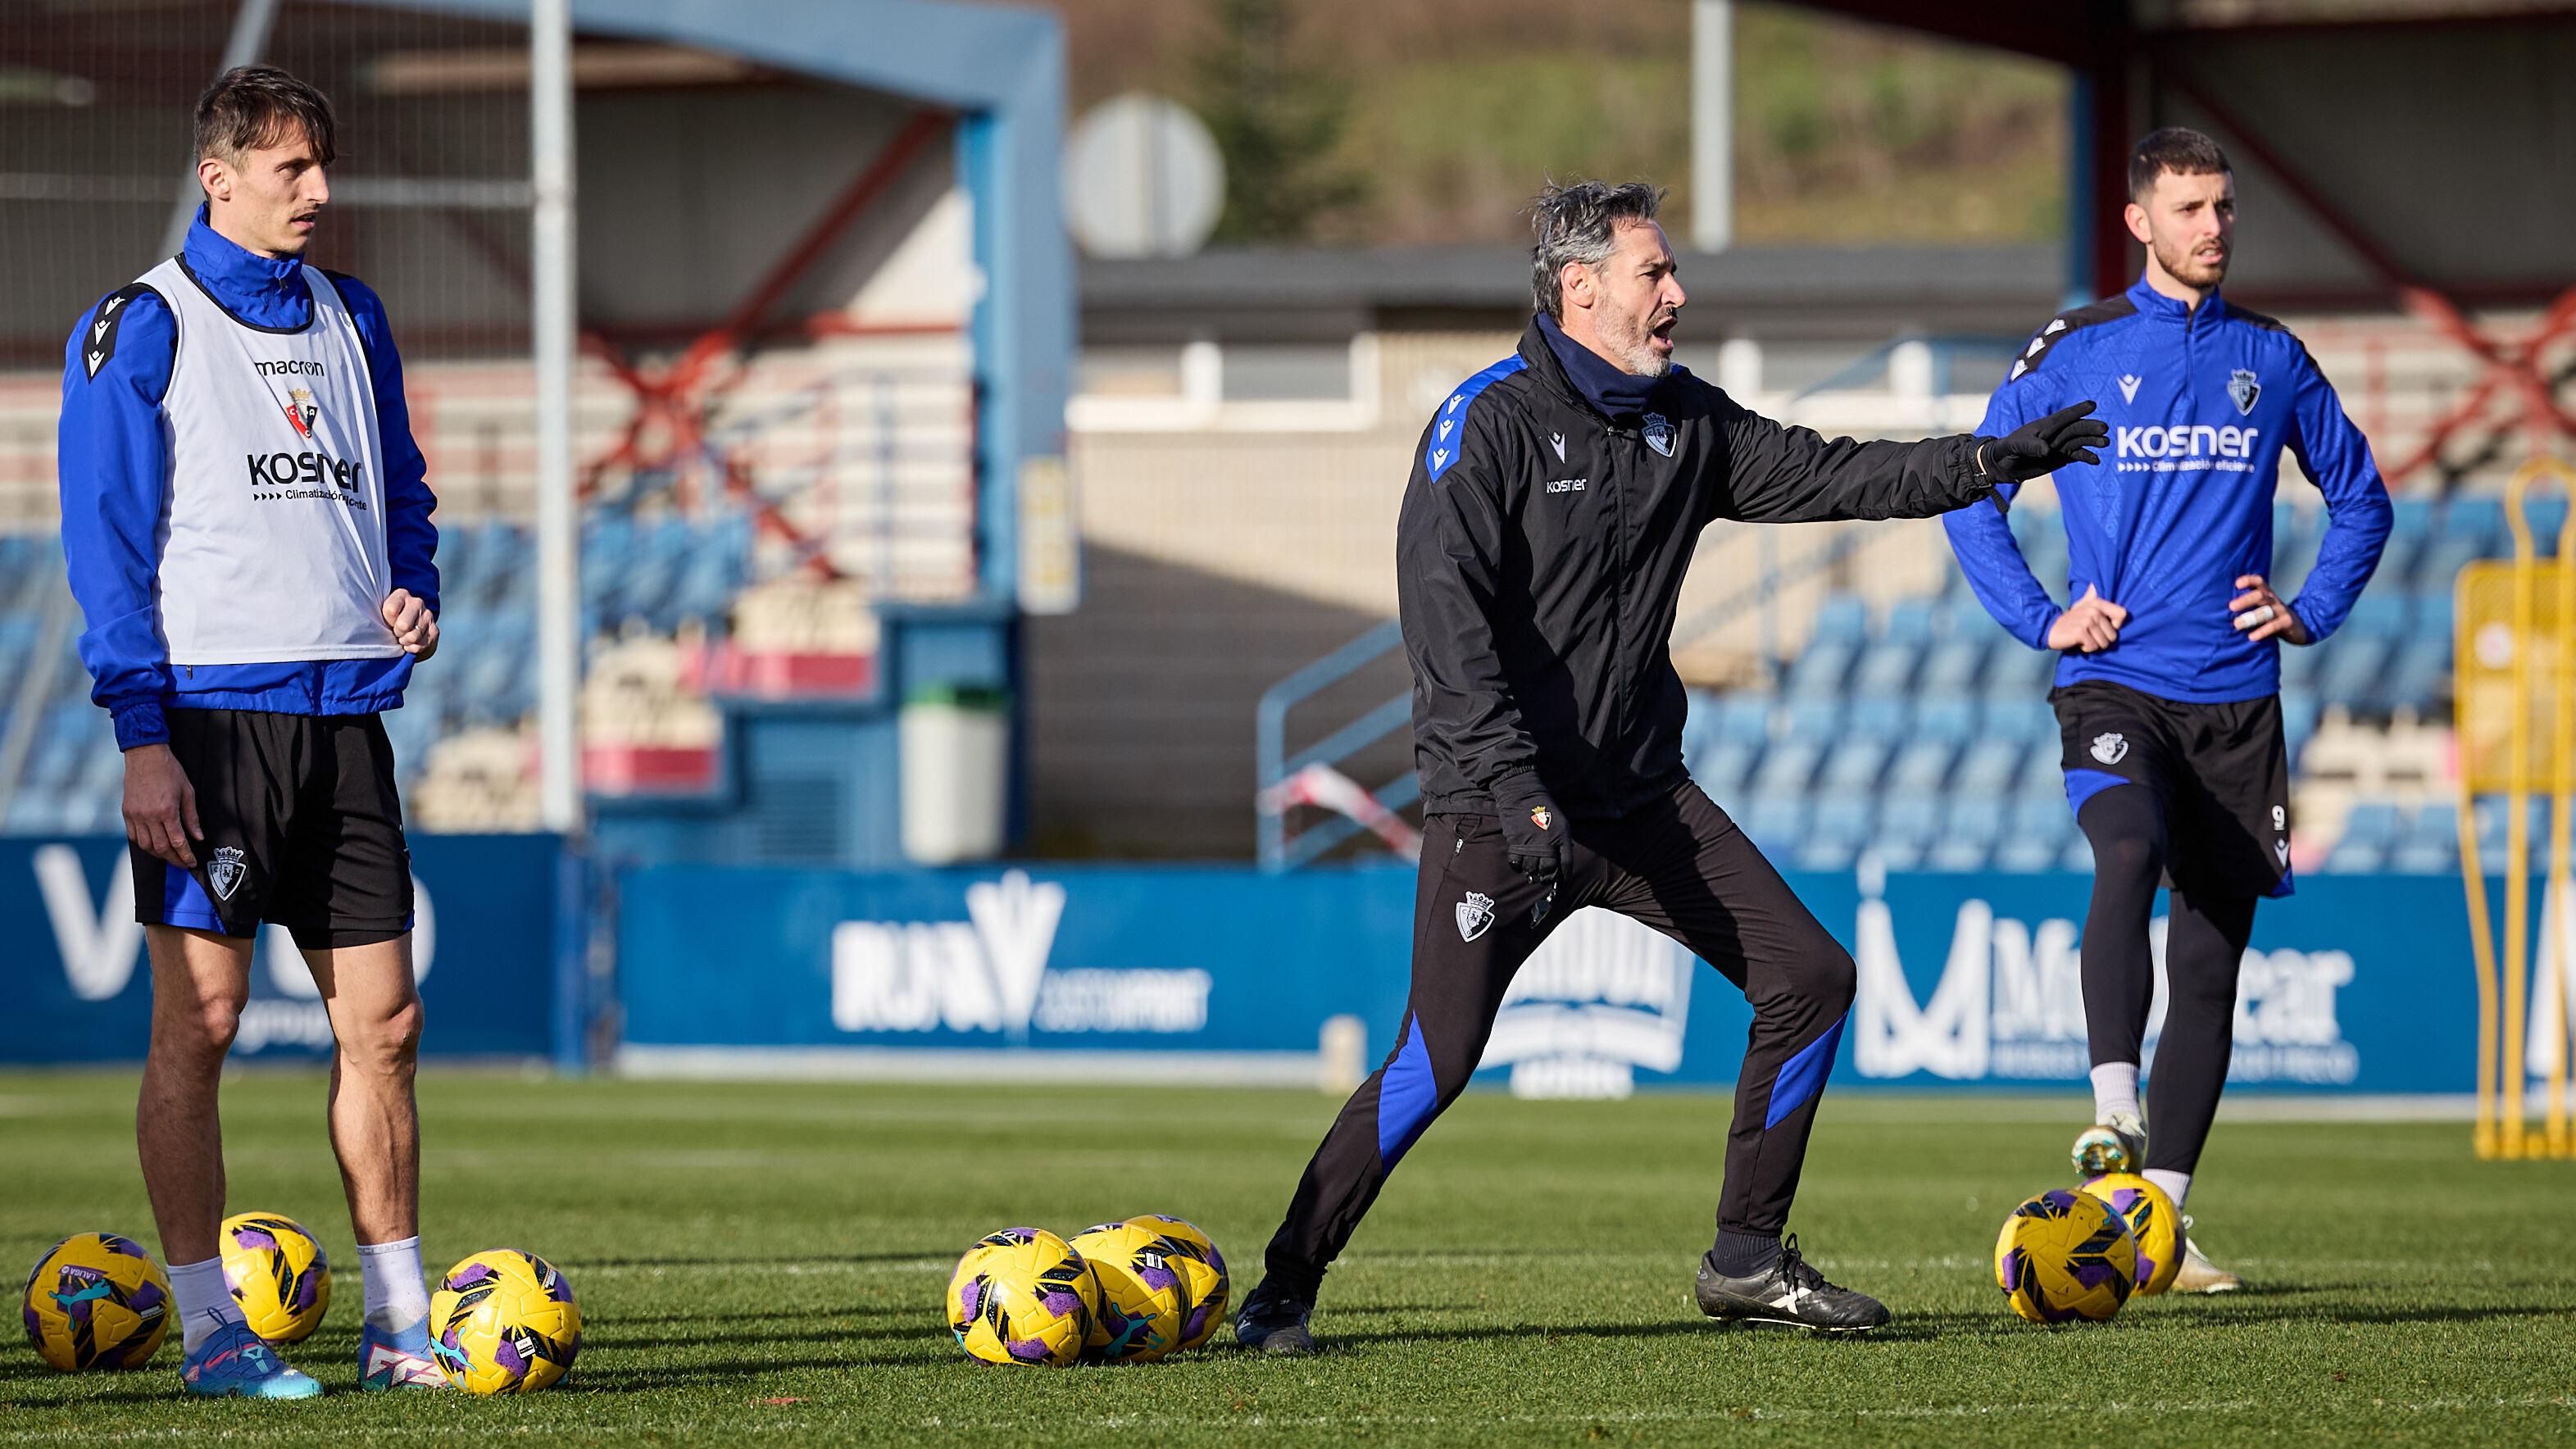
(1449, 571)
(1988, 553)
(1778, 474)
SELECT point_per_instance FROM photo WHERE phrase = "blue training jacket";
(114, 464)
(2200, 403)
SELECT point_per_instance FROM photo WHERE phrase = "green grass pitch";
(763, 1263)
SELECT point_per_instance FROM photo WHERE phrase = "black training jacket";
(1540, 555)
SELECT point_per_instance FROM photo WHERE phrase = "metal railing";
(1282, 850)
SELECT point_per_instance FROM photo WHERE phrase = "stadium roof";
(2385, 145)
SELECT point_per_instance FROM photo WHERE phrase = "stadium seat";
(2410, 515)
(1990, 767)
(2078, 855)
(1907, 825)
(1852, 768)
(1814, 717)
(1885, 668)
(1786, 768)
(2477, 517)
(2380, 614)
(1879, 717)
(2430, 841)
(1835, 834)
(1820, 668)
(2034, 835)
(1744, 719)
(1922, 766)
(2353, 669)
(2368, 832)
(1951, 719)
(2026, 719)
(2438, 566)
(1969, 827)
(2436, 614)
(1954, 664)
(1842, 619)
(2019, 673)
(1776, 823)
(2290, 565)
(2420, 676)
(1911, 623)
(1722, 769)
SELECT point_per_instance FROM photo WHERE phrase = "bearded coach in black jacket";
(1555, 503)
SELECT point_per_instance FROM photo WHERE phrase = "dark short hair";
(1579, 222)
(252, 106)
(2178, 149)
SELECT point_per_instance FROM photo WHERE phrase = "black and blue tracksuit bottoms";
(1678, 865)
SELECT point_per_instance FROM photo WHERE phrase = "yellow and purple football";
(96, 1301)
(277, 1273)
(504, 1322)
(1023, 1296)
(2152, 1221)
(2065, 1255)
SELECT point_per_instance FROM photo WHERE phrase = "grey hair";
(1579, 222)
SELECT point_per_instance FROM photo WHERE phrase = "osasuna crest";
(1659, 433)
(2111, 748)
(1475, 914)
(301, 411)
(1540, 817)
(2243, 388)
(225, 871)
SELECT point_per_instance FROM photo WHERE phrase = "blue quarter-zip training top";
(114, 476)
(2200, 401)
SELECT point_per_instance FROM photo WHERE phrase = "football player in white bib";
(246, 521)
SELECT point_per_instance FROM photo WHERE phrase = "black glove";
(1533, 832)
(2068, 435)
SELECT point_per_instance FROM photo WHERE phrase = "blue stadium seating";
(662, 571)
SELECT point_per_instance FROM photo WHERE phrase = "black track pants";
(2205, 940)
(1680, 866)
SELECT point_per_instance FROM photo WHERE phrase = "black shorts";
(302, 825)
(2220, 771)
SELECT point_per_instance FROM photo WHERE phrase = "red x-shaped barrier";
(2510, 365)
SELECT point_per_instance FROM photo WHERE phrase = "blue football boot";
(235, 1364)
(401, 1360)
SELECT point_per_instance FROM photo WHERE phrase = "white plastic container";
(956, 742)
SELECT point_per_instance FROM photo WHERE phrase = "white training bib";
(274, 544)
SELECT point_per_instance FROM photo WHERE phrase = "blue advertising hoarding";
(2355, 984)
(486, 945)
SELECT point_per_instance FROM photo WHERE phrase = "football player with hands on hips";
(2169, 677)
(1555, 502)
(246, 522)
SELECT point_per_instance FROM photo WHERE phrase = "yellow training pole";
(2562, 752)
(2517, 831)
(2469, 609)
(2482, 955)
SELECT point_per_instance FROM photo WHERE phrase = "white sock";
(396, 1298)
(2115, 1089)
(2177, 1185)
(204, 1300)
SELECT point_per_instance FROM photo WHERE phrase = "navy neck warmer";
(1615, 394)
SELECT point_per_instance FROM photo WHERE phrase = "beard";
(1633, 340)
(2191, 271)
